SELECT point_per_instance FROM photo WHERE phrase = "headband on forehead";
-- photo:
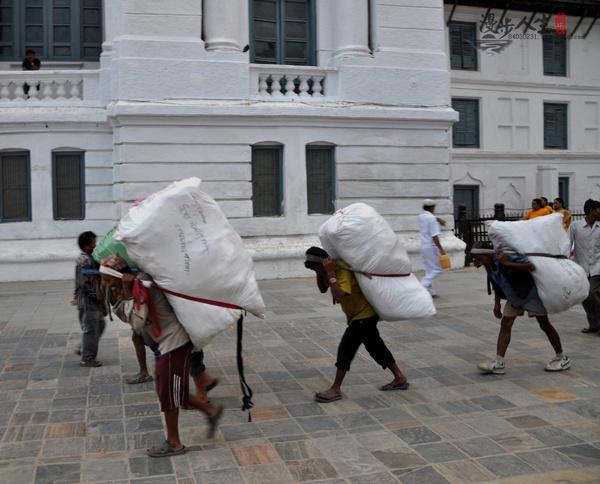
(110, 272)
(314, 258)
(483, 251)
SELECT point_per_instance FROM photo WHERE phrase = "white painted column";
(112, 22)
(225, 24)
(352, 28)
(547, 182)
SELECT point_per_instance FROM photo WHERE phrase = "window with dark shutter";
(320, 179)
(6, 29)
(15, 188)
(35, 32)
(465, 132)
(91, 28)
(282, 32)
(555, 126)
(68, 184)
(463, 45)
(267, 176)
(55, 29)
(554, 53)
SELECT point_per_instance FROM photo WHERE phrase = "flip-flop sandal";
(210, 387)
(213, 422)
(395, 386)
(139, 378)
(327, 397)
(166, 450)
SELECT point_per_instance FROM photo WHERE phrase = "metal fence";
(472, 230)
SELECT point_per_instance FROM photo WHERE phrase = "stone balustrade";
(285, 83)
(50, 86)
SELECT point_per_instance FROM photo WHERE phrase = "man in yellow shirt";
(362, 324)
(537, 210)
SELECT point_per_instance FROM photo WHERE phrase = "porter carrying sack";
(180, 237)
(561, 283)
(364, 240)
(108, 247)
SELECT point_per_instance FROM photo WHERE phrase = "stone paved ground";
(62, 423)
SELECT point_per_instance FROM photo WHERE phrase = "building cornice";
(507, 85)
(254, 112)
(508, 156)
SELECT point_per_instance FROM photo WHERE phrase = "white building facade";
(334, 101)
(287, 109)
(529, 99)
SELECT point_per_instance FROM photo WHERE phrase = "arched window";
(68, 184)
(59, 30)
(282, 32)
(267, 180)
(320, 178)
(15, 186)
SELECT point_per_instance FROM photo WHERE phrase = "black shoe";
(589, 330)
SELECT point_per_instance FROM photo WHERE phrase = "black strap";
(541, 254)
(247, 392)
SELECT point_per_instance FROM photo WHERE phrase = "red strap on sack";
(370, 275)
(200, 300)
(385, 275)
(141, 295)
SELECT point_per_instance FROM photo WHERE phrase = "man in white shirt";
(585, 240)
(431, 249)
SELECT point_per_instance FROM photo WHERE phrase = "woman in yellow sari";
(559, 206)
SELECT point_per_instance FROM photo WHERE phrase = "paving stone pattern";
(62, 423)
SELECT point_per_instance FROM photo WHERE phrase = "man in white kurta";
(431, 248)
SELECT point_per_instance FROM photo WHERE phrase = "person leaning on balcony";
(537, 210)
(30, 63)
(559, 207)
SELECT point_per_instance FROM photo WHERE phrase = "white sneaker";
(559, 363)
(494, 367)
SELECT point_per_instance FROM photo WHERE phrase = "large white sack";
(182, 239)
(363, 239)
(561, 283)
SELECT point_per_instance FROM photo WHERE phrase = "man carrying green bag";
(109, 247)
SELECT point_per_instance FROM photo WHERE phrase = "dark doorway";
(469, 196)
(563, 189)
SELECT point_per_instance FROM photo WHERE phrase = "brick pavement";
(63, 423)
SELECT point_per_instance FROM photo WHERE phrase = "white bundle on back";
(182, 239)
(561, 283)
(364, 240)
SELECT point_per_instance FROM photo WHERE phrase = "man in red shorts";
(171, 345)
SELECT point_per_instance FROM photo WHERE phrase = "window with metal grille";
(68, 185)
(67, 30)
(282, 32)
(463, 45)
(465, 132)
(555, 126)
(267, 181)
(320, 179)
(564, 190)
(15, 186)
(554, 53)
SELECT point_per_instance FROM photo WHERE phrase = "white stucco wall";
(177, 100)
(511, 166)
